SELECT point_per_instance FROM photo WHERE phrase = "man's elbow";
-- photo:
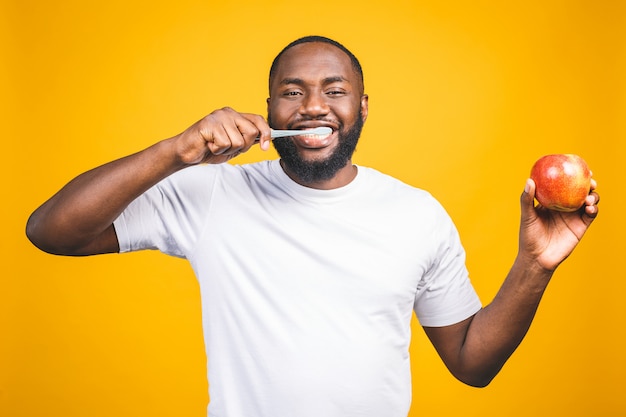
(45, 237)
(477, 382)
(37, 235)
(477, 379)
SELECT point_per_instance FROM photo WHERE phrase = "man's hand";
(548, 237)
(220, 136)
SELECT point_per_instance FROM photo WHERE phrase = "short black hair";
(356, 65)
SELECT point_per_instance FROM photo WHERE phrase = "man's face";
(316, 85)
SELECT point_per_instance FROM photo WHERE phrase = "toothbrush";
(319, 131)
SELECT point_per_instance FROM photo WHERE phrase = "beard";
(310, 171)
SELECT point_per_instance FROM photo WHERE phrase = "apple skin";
(562, 181)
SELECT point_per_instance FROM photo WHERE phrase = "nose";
(314, 105)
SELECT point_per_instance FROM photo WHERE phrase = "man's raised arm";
(78, 220)
(476, 349)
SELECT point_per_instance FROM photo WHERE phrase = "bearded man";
(310, 267)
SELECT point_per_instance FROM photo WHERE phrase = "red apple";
(562, 181)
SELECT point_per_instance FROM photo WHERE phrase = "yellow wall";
(464, 96)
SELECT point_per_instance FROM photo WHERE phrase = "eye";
(336, 92)
(292, 93)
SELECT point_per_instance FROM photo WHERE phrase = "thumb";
(527, 200)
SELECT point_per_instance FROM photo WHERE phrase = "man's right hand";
(220, 136)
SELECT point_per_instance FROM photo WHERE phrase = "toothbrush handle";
(278, 133)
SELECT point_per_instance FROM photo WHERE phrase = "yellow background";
(464, 97)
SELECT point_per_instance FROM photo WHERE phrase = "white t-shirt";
(307, 295)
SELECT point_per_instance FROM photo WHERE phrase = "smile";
(314, 140)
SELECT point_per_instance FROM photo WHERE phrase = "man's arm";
(78, 220)
(475, 349)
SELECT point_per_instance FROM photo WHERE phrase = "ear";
(364, 106)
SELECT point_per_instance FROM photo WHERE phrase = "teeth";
(315, 136)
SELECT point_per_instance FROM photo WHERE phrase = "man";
(309, 267)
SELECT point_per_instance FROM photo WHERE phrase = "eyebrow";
(300, 81)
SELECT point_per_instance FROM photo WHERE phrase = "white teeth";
(318, 133)
(315, 136)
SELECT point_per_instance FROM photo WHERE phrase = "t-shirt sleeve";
(168, 217)
(445, 295)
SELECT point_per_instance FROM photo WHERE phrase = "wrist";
(533, 269)
(175, 154)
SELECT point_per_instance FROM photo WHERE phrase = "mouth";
(315, 140)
